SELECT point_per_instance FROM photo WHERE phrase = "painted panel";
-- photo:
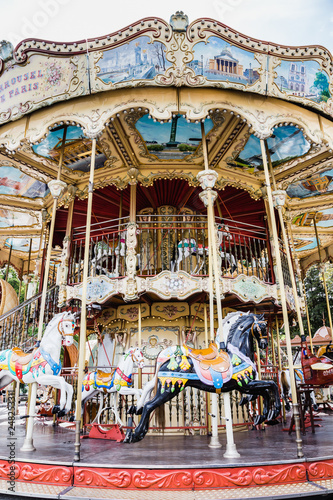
(41, 81)
(303, 79)
(217, 59)
(285, 144)
(312, 186)
(12, 218)
(23, 244)
(323, 219)
(304, 244)
(173, 140)
(140, 59)
(15, 182)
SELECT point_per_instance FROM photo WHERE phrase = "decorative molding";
(248, 288)
(178, 285)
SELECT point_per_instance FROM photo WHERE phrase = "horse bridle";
(62, 333)
(134, 358)
(255, 325)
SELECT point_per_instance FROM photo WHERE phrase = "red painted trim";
(164, 479)
(37, 473)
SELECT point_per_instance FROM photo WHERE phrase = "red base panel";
(172, 479)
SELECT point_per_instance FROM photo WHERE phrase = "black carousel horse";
(213, 370)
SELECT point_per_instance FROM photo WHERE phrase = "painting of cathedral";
(139, 59)
(218, 60)
(303, 79)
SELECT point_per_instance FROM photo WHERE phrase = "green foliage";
(321, 82)
(155, 147)
(186, 147)
(315, 296)
(13, 280)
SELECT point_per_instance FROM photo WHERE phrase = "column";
(65, 254)
(207, 179)
(83, 320)
(281, 288)
(322, 270)
(57, 188)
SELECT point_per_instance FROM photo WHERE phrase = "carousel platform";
(157, 466)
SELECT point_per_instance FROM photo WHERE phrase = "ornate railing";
(19, 326)
(173, 243)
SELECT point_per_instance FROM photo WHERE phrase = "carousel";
(164, 190)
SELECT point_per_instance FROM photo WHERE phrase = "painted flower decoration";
(53, 75)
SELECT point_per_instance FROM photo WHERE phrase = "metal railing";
(173, 243)
(19, 326)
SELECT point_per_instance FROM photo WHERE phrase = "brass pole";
(286, 243)
(8, 264)
(280, 362)
(300, 453)
(206, 324)
(231, 451)
(301, 286)
(324, 279)
(83, 321)
(209, 419)
(56, 188)
(140, 343)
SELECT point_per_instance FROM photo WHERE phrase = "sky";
(289, 22)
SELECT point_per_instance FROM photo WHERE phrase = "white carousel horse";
(103, 250)
(43, 364)
(119, 380)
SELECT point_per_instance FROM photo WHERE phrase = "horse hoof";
(128, 437)
(315, 407)
(61, 413)
(258, 420)
(55, 409)
(131, 410)
(244, 400)
(71, 418)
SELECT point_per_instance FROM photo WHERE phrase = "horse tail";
(284, 383)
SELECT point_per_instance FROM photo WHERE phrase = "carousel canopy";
(149, 92)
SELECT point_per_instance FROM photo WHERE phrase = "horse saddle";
(21, 357)
(104, 378)
(211, 358)
(211, 365)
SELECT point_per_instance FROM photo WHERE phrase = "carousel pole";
(322, 269)
(207, 178)
(83, 320)
(209, 420)
(56, 187)
(280, 362)
(279, 199)
(300, 453)
(8, 263)
(301, 286)
(139, 343)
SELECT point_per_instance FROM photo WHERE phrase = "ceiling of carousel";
(173, 151)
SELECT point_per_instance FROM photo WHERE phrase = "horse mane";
(54, 320)
(235, 325)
